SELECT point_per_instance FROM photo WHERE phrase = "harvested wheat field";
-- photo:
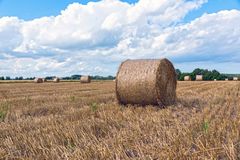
(84, 121)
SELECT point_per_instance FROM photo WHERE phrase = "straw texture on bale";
(187, 78)
(146, 82)
(56, 80)
(85, 79)
(235, 78)
(38, 80)
(199, 77)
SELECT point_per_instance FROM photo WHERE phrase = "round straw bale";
(44, 80)
(85, 79)
(187, 78)
(226, 79)
(199, 77)
(38, 80)
(56, 80)
(146, 82)
(235, 78)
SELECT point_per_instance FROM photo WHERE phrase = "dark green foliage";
(102, 78)
(50, 77)
(205, 126)
(178, 73)
(94, 107)
(18, 78)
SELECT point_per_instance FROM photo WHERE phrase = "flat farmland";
(70, 120)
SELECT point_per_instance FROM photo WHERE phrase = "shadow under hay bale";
(85, 79)
(146, 82)
(190, 102)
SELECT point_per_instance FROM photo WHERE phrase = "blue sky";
(52, 37)
(30, 9)
(213, 6)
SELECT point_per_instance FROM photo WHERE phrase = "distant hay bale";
(146, 82)
(235, 78)
(38, 80)
(85, 79)
(56, 80)
(215, 79)
(226, 79)
(199, 77)
(187, 78)
(44, 80)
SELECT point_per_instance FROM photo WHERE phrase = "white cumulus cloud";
(95, 38)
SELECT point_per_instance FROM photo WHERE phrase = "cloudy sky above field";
(40, 38)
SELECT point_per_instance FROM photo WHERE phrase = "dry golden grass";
(83, 121)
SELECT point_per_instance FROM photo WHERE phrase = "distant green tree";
(216, 75)
(193, 76)
(50, 77)
(75, 77)
(198, 71)
(178, 72)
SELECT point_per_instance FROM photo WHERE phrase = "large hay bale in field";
(146, 82)
(56, 80)
(44, 80)
(235, 78)
(38, 80)
(85, 79)
(199, 77)
(215, 79)
(187, 78)
(226, 79)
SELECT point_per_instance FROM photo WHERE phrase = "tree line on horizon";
(208, 75)
(73, 77)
